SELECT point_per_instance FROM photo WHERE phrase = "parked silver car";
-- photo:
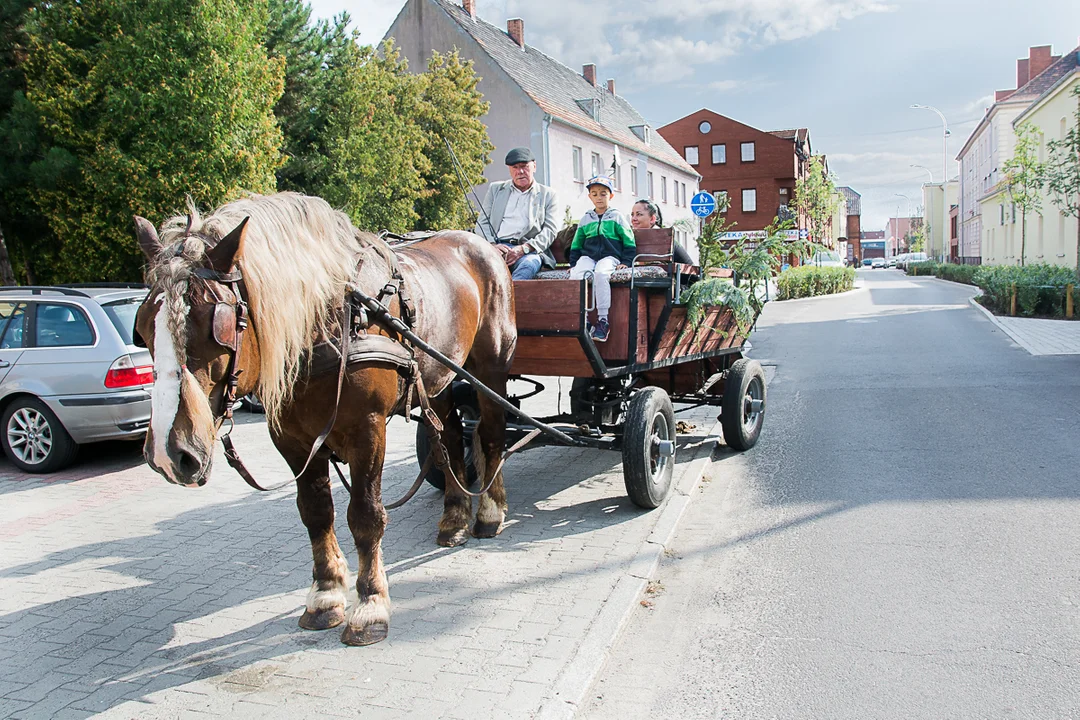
(69, 372)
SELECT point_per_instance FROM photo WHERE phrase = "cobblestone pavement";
(124, 596)
(1039, 336)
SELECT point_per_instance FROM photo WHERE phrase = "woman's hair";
(653, 209)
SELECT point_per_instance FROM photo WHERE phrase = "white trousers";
(601, 270)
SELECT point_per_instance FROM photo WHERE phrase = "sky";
(848, 70)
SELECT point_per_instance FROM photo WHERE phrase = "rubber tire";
(252, 404)
(645, 406)
(742, 373)
(464, 399)
(63, 449)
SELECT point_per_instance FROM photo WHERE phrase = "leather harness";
(231, 320)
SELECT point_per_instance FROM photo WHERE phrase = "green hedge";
(811, 280)
(1040, 288)
(945, 271)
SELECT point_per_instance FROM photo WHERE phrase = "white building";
(572, 124)
(937, 236)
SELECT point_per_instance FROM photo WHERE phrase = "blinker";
(225, 326)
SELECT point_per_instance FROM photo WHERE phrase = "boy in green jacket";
(603, 243)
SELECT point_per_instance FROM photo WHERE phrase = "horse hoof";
(369, 635)
(322, 619)
(486, 529)
(452, 538)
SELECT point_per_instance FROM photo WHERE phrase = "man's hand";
(502, 249)
(620, 266)
(514, 254)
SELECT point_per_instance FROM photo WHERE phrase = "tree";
(141, 104)
(816, 198)
(1062, 173)
(449, 113)
(1023, 178)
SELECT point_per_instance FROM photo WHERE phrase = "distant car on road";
(909, 258)
(878, 263)
(868, 262)
(826, 258)
(892, 262)
(69, 371)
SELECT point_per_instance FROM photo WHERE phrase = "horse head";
(192, 322)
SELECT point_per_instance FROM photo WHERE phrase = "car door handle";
(4, 364)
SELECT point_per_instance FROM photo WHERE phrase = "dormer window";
(644, 133)
(591, 107)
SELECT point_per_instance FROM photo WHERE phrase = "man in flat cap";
(520, 216)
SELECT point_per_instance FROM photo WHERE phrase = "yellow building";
(937, 241)
(1052, 236)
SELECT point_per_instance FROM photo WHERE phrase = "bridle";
(229, 323)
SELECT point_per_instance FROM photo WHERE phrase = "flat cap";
(519, 155)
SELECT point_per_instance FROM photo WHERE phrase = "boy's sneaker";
(600, 332)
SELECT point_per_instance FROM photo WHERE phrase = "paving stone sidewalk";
(1039, 336)
(123, 596)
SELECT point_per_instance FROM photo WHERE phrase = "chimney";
(589, 71)
(1000, 95)
(470, 7)
(611, 85)
(1023, 74)
(1039, 59)
(515, 28)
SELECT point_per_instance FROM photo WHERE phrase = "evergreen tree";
(142, 104)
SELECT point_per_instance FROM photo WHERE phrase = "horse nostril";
(187, 464)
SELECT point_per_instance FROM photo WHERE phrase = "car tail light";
(124, 374)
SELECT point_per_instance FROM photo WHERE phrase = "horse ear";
(223, 254)
(148, 237)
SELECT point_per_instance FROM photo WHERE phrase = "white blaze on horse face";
(166, 402)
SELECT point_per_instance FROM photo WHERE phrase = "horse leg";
(325, 606)
(368, 620)
(488, 445)
(457, 506)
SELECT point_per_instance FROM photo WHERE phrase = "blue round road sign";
(703, 204)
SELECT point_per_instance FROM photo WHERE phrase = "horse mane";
(297, 255)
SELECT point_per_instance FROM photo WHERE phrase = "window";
(62, 326)
(705, 127)
(663, 188)
(684, 203)
(618, 178)
(749, 200)
(578, 175)
(633, 180)
(650, 188)
(719, 154)
(13, 322)
(747, 152)
(122, 315)
(597, 165)
(691, 154)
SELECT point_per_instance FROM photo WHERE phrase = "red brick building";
(757, 170)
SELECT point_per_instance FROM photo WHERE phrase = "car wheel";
(34, 439)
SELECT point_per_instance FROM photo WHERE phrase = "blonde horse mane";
(297, 256)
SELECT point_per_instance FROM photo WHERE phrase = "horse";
(283, 263)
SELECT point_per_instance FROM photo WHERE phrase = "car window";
(62, 326)
(122, 314)
(13, 322)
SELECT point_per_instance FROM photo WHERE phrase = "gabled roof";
(556, 89)
(1064, 67)
(793, 134)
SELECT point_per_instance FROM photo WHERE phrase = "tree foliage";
(1062, 173)
(141, 104)
(1023, 178)
(817, 199)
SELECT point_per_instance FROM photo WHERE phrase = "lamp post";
(944, 171)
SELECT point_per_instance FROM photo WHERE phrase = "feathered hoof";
(486, 529)
(367, 635)
(322, 619)
(452, 538)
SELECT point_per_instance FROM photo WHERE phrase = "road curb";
(577, 678)
(1003, 327)
(852, 291)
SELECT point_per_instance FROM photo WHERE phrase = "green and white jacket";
(600, 237)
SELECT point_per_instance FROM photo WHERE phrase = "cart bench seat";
(643, 272)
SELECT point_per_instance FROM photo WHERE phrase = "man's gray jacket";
(543, 217)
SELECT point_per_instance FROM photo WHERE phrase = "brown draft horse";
(295, 255)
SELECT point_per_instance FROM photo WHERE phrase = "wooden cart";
(623, 390)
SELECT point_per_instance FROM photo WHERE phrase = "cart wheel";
(742, 409)
(649, 447)
(469, 409)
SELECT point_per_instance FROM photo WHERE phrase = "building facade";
(852, 233)
(756, 171)
(575, 126)
(872, 243)
(990, 144)
(937, 238)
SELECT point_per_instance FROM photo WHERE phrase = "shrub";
(957, 273)
(811, 280)
(1040, 288)
(927, 267)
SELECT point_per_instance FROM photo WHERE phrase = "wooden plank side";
(719, 330)
(545, 305)
(550, 356)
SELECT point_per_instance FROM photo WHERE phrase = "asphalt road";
(903, 542)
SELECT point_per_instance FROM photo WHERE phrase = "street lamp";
(944, 173)
(929, 174)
